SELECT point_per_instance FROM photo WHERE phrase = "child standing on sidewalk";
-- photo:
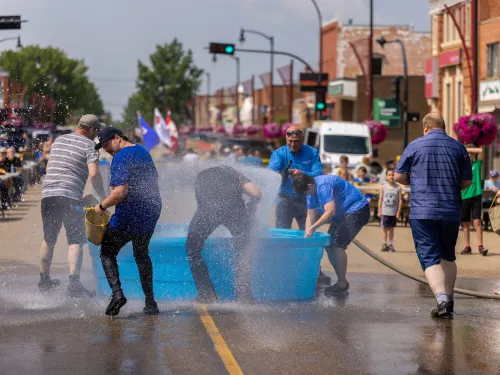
(389, 208)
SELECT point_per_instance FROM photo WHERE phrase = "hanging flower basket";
(252, 130)
(221, 129)
(378, 132)
(272, 130)
(479, 129)
(238, 129)
(285, 127)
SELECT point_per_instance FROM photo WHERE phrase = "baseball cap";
(90, 121)
(107, 133)
(494, 173)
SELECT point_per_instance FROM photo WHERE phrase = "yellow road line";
(223, 350)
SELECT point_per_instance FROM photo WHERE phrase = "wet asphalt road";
(380, 327)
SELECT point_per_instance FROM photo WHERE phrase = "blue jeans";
(289, 209)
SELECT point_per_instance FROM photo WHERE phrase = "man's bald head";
(294, 138)
(433, 120)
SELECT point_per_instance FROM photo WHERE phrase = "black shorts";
(57, 211)
(388, 221)
(472, 208)
(344, 232)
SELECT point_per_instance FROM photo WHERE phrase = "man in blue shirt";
(136, 195)
(289, 204)
(438, 168)
(344, 207)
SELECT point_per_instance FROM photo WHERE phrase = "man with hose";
(136, 195)
(295, 155)
(219, 195)
(343, 206)
(438, 168)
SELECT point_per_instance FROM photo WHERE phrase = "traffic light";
(10, 22)
(222, 48)
(395, 83)
(321, 99)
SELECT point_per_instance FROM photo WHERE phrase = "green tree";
(49, 71)
(169, 82)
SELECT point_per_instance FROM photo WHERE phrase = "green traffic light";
(320, 106)
(229, 49)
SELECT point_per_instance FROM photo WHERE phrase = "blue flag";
(149, 135)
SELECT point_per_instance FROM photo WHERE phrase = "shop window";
(377, 63)
(493, 49)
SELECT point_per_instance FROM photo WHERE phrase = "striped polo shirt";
(68, 171)
(437, 164)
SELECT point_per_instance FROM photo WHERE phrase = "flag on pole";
(161, 129)
(172, 129)
(149, 135)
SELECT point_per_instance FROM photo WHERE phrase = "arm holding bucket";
(118, 193)
(96, 179)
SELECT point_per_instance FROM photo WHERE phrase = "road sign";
(387, 112)
(310, 81)
(10, 22)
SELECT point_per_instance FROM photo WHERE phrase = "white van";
(334, 138)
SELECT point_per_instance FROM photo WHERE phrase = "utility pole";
(370, 64)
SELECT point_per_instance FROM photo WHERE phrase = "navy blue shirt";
(436, 164)
(329, 188)
(140, 210)
(307, 160)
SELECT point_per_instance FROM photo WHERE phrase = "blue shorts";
(348, 228)
(388, 221)
(434, 240)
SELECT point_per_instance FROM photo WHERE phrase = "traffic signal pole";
(405, 98)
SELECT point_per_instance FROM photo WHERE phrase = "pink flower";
(479, 129)
(378, 132)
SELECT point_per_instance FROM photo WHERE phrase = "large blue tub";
(285, 266)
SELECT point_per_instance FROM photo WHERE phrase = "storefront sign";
(450, 58)
(489, 91)
(336, 89)
(346, 88)
(431, 78)
(387, 112)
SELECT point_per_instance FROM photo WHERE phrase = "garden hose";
(416, 278)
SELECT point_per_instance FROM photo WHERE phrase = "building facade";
(346, 56)
(448, 71)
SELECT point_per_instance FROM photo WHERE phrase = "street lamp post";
(382, 41)
(320, 18)
(237, 59)
(18, 38)
(208, 97)
(271, 41)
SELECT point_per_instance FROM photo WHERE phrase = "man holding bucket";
(136, 195)
(72, 160)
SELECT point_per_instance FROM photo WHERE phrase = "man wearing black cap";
(136, 195)
(73, 159)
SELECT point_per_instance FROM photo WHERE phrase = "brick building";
(448, 81)
(342, 65)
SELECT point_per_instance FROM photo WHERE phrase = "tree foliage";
(170, 80)
(49, 71)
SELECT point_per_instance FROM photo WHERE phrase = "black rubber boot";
(116, 303)
(151, 307)
(46, 283)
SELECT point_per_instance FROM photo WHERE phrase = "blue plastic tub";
(285, 266)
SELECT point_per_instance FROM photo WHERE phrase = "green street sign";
(387, 112)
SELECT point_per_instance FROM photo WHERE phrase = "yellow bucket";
(96, 225)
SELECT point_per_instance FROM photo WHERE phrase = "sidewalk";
(470, 266)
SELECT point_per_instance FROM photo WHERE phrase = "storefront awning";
(487, 107)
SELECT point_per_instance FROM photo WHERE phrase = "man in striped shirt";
(73, 160)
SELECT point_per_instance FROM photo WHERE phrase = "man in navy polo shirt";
(438, 168)
(290, 205)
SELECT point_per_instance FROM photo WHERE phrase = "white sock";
(389, 242)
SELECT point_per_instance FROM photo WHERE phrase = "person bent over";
(136, 195)
(219, 194)
(339, 203)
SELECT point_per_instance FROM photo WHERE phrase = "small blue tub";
(285, 266)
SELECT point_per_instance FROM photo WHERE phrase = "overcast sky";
(112, 35)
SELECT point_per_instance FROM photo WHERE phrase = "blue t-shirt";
(307, 160)
(140, 210)
(436, 164)
(329, 188)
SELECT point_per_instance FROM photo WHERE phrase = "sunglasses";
(293, 132)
